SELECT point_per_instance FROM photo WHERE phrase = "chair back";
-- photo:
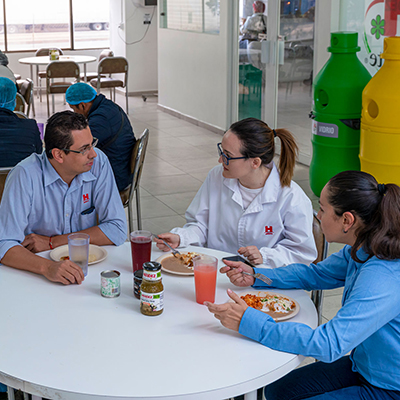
(20, 104)
(137, 158)
(113, 65)
(322, 249)
(3, 176)
(26, 90)
(21, 115)
(62, 69)
(46, 51)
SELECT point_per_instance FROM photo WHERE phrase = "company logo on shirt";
(269, 230)
(86, 198)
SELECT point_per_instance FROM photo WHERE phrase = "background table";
(69, 342)
(45, 60)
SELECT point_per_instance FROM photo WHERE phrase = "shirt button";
(67, 215)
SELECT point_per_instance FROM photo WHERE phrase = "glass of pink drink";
(205, 278)
(141, 248)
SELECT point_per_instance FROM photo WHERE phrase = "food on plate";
(187, 258)
(92, 258)
(64, 258)
(179, 263)
(270, 302)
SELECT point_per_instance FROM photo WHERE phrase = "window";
(67, 24)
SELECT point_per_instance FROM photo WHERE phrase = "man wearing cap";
(68, 188)
(109, 123)
(19, 137)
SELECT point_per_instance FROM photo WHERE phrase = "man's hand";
(36, 243)
(230, 314)
(233, 271)
(171, 238)
(65, 272)
(252, 254)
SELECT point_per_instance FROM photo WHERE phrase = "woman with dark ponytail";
(364, 215)
(247, 204)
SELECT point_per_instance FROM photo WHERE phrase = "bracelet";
(50, 244)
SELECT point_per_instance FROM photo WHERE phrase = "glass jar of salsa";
(152, 289)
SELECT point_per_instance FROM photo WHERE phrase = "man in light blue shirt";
(68, 188)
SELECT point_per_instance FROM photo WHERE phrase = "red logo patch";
(269, 230)
(86, 198)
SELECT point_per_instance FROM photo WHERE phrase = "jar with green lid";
(152, 289)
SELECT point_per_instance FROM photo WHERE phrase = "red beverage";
(205, 279)
(141, 250)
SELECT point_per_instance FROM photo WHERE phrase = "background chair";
(93, 75)
(20, 104)
(3, 176)
(42, 74)
(317, 296)
(127, 195)
(109, 66)
(26, 90)
(21, 115)
(59, 69)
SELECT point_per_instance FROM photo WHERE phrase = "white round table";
(45, 60)
(69, 342)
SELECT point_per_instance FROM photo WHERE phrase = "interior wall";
(194, 72)
(129, 39)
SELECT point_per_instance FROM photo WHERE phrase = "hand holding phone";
(238, 258)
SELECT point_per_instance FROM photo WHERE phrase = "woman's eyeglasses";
(225, 158)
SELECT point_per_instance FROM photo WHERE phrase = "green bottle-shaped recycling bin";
(337, 111)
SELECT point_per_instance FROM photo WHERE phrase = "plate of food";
(278, 306)
(96, 254)
(179, 264)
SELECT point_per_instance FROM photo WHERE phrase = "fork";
(261, 277)
(174, 251)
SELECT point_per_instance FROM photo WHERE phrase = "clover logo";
(378, 27)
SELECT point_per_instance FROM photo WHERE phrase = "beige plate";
(179, 269)
(276, 316)
(99, 252)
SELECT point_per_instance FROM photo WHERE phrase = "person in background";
(5, 72)
(247, 206)
(19, 138)
(109, 123)
(68, 188)
(256, 23)
(365, 216)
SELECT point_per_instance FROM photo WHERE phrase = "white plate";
(62, 251)
(281, 317)
(180, 270)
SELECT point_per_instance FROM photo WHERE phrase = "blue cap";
(80, 93)
(8, 93)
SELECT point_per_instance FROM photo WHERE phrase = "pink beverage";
(205, 278)
(141, 249)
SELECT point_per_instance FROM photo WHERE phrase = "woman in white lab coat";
(247, 206)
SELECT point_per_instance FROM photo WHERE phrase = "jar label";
(152, 275)
(325, 129)
(152, 302)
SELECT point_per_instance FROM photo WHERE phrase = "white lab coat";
(278, 221)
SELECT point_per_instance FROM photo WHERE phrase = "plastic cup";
(78, 247)
(141, 248)
(205, 278)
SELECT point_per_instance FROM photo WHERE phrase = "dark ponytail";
(258, 141)
(376, 205)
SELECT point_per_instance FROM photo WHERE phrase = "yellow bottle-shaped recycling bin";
(380, 122)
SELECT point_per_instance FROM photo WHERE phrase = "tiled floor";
(178, 158)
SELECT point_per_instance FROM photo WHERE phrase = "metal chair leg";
(126, 97)
(138, 213)
(130, 218)
(317, 297)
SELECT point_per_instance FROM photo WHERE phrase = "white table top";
(44, 60)
(69, 342)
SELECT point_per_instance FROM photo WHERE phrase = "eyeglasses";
(86, 148)
(225, 158)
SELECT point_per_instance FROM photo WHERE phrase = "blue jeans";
(321, 381)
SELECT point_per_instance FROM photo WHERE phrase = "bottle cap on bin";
(344, 42)
(391, 48)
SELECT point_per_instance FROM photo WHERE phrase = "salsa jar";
(151, 289)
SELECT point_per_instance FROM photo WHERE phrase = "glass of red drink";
(141, 248)
(205, 278)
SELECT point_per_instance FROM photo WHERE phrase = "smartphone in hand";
(238, 258)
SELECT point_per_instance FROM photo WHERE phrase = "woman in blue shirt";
(364, 215)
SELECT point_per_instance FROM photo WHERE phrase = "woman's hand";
(171, 238)
(252, 254)
(233, 271)
(230, 314)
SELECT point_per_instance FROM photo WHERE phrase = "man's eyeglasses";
(225, 158)
(85, 149)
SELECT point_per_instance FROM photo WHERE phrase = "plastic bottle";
(337, 111)
(380, 129)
